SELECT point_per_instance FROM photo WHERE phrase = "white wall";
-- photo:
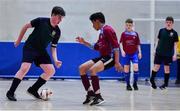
(15, 13)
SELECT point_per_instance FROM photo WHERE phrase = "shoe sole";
(151, 85)
(102, 102)
(33, 96)
(10, 99)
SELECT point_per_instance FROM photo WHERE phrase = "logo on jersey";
(53, 33)
(171, 34)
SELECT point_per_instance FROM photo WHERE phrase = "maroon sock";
(90, 93)
(85, 81)
(95, 83)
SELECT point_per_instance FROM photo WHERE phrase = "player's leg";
(49, 71)
(135, 61)
(97, 67)
(167, 61)
(157, 62)
(127, 77)
(83, 68)
(103, 64)
(136, 74)
(45, 63)
(17, 79)
(126, 62)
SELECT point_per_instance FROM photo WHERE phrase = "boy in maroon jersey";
(108, 47)
(130, 51)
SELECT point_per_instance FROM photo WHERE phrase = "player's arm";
(175, 47)
(22, 32)
(111, 36)
(175, 50)
(139, 46)
(121, 46)
(82, 41)
(54, 49)
(54, 55)
(140, 53)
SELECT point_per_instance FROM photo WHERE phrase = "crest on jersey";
(171, 34)
(53, 33)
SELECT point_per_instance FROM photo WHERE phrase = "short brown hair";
(170, 18)
(129, 21)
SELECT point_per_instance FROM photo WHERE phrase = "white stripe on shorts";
(107, 62)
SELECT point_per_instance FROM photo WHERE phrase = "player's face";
(96, 25)
(169, 25)
(129, 26)
(56, 19)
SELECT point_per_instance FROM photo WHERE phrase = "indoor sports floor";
(69, 95)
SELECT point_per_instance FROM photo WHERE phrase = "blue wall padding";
(72, 55)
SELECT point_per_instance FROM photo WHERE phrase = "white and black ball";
(45, 94)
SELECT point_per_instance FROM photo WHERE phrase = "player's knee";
(156, 68)
(82, 69)
(136, 69)
(92, 71)
(167, 69)
(50, 71)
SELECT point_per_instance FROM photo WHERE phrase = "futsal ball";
(45, 94)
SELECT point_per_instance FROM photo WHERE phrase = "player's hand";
(80, 40)
(174, 58)
(118, 67)
(58, 63)
(123, 53)
(16, 43)
(139, 55)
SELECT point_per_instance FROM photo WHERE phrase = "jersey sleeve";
(138, 39)
(35, 22)
(176, 37)
(159, 34)
(112, 38)
(56, 39)
(121, 38)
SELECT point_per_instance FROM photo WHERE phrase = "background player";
(131, 51)
(165, 51)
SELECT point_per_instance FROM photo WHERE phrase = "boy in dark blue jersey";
(45, 31)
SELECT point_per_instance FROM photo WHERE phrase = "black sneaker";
(98, 100)
(89, 99)
(11, 96)
(153, 84)
(163, 87)
(128, 87)
(33, 93)
(135, 87)
(177, 82)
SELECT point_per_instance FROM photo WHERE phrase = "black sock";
(38, 84)
(14, 85)
(153, 75)
(166, 79)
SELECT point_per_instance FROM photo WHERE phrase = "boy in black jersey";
(165, 52)
(45, 31)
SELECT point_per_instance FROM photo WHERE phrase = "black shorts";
(162, 59)
(31, 55)
(107, 61)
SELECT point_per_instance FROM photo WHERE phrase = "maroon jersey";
(107, 41)
(130, 41)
